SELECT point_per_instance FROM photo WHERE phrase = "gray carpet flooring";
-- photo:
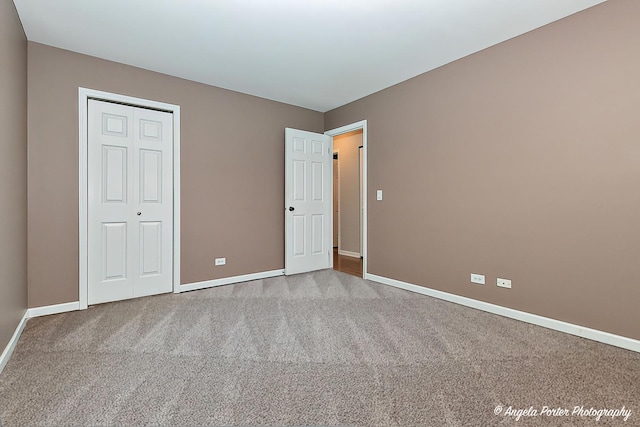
(324, 348)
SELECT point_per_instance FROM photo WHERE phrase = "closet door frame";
(84, 95)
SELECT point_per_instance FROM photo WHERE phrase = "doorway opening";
(349, 210)
(309, 220)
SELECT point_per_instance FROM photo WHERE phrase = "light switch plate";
(379, 195)
(477, 278)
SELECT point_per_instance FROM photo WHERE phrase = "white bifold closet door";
(130, 202)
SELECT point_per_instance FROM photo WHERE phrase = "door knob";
(139, 213)
(291, 209)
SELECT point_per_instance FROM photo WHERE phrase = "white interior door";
(130, 202)
(308, 235)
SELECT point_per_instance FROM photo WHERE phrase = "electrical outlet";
(221, 261)
(477, 278)
(503, 283)
(379, 195)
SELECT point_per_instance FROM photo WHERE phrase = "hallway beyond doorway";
(347, 264)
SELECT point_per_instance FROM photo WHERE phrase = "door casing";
(84, 95)
(335, 199)
(362, 193)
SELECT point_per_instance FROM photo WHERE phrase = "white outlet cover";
(221, 261)
(379, 195)
(503, 283)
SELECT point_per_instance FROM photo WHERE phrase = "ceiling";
(318, 54)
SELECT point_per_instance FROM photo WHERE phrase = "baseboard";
(348, 253)
(545, 322)
(53, 309)
(8, 351)
(229, 280)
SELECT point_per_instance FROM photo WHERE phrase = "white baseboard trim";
(229, 280)
(545, 322)
(8, 351)
(33, 312)
(53, 309)
(348, 253)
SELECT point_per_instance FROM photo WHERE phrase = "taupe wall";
(349, 213)
(521, 161)
(232, 170)
(13, 172)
